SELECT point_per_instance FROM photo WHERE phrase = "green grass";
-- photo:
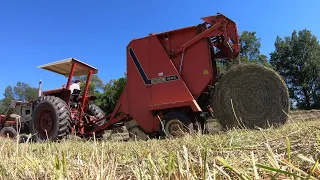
(288, 152)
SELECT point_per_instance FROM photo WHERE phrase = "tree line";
(296, 58)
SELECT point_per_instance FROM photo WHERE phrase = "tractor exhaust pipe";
(40, 90)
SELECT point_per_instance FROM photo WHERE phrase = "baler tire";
(178, 117)
(57, 112)
(259, 95)
(8, 131)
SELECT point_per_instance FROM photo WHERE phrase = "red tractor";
(59, 113)
(16, 120)
(167, 76)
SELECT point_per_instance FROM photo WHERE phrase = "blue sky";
(37, 32)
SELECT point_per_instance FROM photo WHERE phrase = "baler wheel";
(175, 125)
(8, 132)
(250, 96)
(51, 119)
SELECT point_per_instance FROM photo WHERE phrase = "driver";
(75, 85)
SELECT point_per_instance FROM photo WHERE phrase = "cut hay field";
(288, 152)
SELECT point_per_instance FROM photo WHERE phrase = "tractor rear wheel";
(51, 119)
(175, 125)
(250, 96)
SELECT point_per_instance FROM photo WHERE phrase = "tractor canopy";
(69, 67)
(64, 67)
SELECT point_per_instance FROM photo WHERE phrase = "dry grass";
(288, 152)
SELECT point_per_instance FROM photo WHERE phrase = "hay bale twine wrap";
(253, 95)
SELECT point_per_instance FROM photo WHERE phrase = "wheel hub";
(175, 128)
(45, 123)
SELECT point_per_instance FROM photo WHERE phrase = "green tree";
(96, 84)
(249, 46)
(250, 49)
(2, 107)
(24, 92)
(297, 59)
(8, 97)
(107, 93)
(249, 53)
(20, 92)
(111, 94)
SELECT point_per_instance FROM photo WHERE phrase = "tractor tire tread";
(63, 116)
(95, 111)
(63, 113)
(12, 131)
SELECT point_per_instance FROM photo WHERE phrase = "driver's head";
(77, 82)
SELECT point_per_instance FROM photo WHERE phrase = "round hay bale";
(251, 95)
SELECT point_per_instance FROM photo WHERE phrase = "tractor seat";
(75, 95)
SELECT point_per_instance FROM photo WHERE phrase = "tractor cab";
(69, 68)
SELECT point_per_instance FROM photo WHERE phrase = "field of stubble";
(288, 152)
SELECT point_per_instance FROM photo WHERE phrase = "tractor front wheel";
(95, 111)
(8, 132)
(51, 119)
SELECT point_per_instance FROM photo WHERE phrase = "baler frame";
(226, 39)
